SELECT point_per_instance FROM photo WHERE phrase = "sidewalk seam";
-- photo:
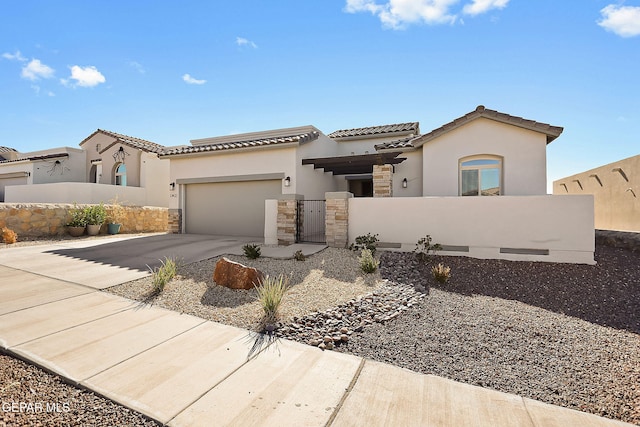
(346, 394)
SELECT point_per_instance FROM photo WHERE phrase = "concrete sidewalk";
(184, 371)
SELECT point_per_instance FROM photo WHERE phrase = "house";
(220, 184)
(616, 193)
(106, 165)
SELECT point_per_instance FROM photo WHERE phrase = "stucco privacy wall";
(37, 220)
(491, 227)
(76, 192)
(524, 166)
(616, 196)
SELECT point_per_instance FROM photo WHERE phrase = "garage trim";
(14, 175)
(231, 178)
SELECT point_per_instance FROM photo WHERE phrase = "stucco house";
(220, 184)
(616, 193)
(106, 165)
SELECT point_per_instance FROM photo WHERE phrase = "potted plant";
(116, 216)
(96, 216)
(78, 221)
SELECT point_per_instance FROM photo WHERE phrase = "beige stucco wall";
(616, 200)
(154, 178)
(563, 225)
(310, 182)
(523, 151)
(70, 169)
(232, 164)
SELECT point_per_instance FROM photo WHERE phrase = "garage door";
(228, 208)
(5, 182)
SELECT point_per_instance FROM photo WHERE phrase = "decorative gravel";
(32, 397)
(326, 279)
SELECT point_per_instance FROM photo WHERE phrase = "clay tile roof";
(7, 150)
(253, 143)
(36, 158)
(552, 132)
(413, 127)
(398, 143)
(138, 143)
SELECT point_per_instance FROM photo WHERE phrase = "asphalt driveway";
(103, 263)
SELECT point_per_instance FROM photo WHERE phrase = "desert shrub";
(160, 276)
(368, 241)
(251, 251)
(78, 217)
(368, 263)
(117, 212)
(9, 236)
(441, 273)
(299, 256)
(270, 293)
(424, 246)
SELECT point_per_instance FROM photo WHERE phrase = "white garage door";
(5, 182)
(228, 208)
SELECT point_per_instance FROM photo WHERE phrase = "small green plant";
(78, 217)
(368, 263)
(299, 256)
(441, 273)
(424, 246)
(95, 214)
(368, 241)
(251, 251)
(160, 276)
(270, 294)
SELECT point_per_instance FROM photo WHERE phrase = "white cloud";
(621, 20)
(14, 56)
(241, 41)
(192, 81)
(36, 70)
(137, 66)
(84, 77)
(400, 13)
(477, 7)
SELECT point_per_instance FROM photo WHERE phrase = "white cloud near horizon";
(241, 41)
(84, 77)
(621, 20)
(192, 81)
(36, 70)
(476, 7)
(14, 56)
(397, 14)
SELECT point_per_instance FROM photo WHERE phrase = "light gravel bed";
(324, 280)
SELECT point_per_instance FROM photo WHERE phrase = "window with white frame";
(481, 176)
(120, 174)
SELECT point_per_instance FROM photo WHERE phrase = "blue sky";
(170, 71)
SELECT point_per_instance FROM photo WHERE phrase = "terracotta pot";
(76, 231)
(93, 229)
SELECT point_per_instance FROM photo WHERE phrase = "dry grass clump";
(9, 236)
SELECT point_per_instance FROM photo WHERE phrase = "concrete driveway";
(103, 263)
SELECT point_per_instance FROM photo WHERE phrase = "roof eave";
(229, 150)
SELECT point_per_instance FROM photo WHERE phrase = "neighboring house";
(107, 165)
(616, 193)
(221, 184)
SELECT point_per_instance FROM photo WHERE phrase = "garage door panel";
(228, 208)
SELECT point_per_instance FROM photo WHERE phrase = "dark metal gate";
(311, 221)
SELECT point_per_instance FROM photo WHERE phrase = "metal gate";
(310, 221)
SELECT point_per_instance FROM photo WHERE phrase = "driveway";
(103, 263)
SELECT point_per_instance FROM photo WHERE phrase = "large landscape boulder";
(235, 275)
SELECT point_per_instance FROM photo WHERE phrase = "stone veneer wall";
(287, 219)
(337, 219)
(175, 221)
(382, 180)
(48, 219)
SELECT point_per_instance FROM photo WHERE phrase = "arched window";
(481, 176)
(121, 174)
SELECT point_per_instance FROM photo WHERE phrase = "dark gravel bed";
(562, 334)
(30, 396)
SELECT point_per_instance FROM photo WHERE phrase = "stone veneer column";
(382, 180)
(175, 221)
(337, 219)
(287, 218)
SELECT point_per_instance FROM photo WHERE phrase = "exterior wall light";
(287, 181)
(405, 183)
(173, 186)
